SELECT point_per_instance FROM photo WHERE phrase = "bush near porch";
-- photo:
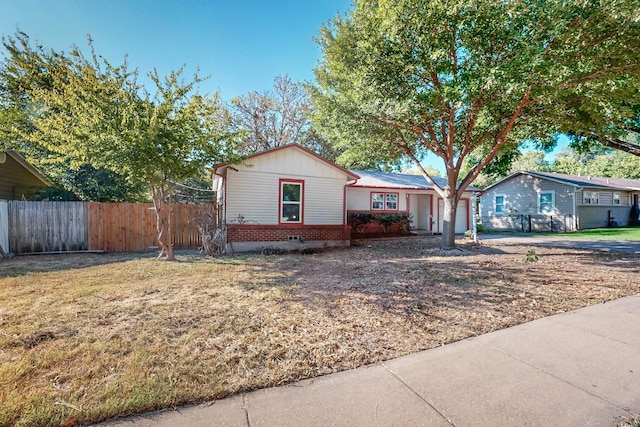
(369, 224)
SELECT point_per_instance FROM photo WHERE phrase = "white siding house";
(290, 197)
(285, 197)
(550, 201)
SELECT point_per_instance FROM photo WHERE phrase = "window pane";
(377, 201)
(546, 198)
(392, 201)
(290, 212)
(499, 204)
(291, 192)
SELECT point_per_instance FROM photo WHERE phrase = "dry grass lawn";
(84, 338)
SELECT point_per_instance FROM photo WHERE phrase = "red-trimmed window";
(384, 201)
(291, 201)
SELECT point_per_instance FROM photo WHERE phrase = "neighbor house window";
(616, 198)
(291, 197)
(546, 202)
(499, 206)
(384, 201)
(590, 197)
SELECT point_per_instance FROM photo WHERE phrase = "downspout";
(344, 204)
(474, 225)
(575, 209)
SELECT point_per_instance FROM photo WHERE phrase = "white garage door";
(461, 216)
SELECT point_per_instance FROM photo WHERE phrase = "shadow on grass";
(33, 264)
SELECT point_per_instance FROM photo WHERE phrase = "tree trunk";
(449, 218)
(163, 224)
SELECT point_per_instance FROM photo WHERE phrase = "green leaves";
(83, 110)
(457, 78)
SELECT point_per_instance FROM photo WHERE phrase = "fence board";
(47, 226)
(69, 226)
(130, 227)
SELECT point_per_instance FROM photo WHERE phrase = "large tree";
(473, 78)
(91, 112)
(21, 77)
(274, 118)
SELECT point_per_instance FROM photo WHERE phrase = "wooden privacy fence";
(76, 226)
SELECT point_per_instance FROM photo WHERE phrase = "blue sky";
(241, 44)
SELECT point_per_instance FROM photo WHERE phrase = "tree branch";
(500, 141)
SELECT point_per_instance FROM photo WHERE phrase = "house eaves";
(23, 162)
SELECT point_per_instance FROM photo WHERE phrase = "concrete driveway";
(560, 240)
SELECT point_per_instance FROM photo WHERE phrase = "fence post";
(4, 226)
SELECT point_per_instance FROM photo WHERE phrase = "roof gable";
(268, 155)
(24, 164)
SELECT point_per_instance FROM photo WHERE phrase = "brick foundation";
(282, 233)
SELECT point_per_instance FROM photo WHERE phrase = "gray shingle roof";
(589, 181)
(397, 180)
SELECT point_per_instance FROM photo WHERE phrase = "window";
(391, 202)
(291, 195)
(590, 197)
(377, 201)
(546, 202)
(616, 198)
(384, 201)
(499, 205)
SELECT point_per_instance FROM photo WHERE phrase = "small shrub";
(531, 256)
(270, 250)
(481, 228)
(311, 251)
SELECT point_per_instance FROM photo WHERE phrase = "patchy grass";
(84, 338)
(630, 422)
(619, 233)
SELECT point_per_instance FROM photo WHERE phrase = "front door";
(420, 209)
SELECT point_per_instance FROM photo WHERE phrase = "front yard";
(84, 338)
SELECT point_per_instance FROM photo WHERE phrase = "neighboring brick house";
(543, 201)
(290, 197)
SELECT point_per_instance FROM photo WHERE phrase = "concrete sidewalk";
(573, 369)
